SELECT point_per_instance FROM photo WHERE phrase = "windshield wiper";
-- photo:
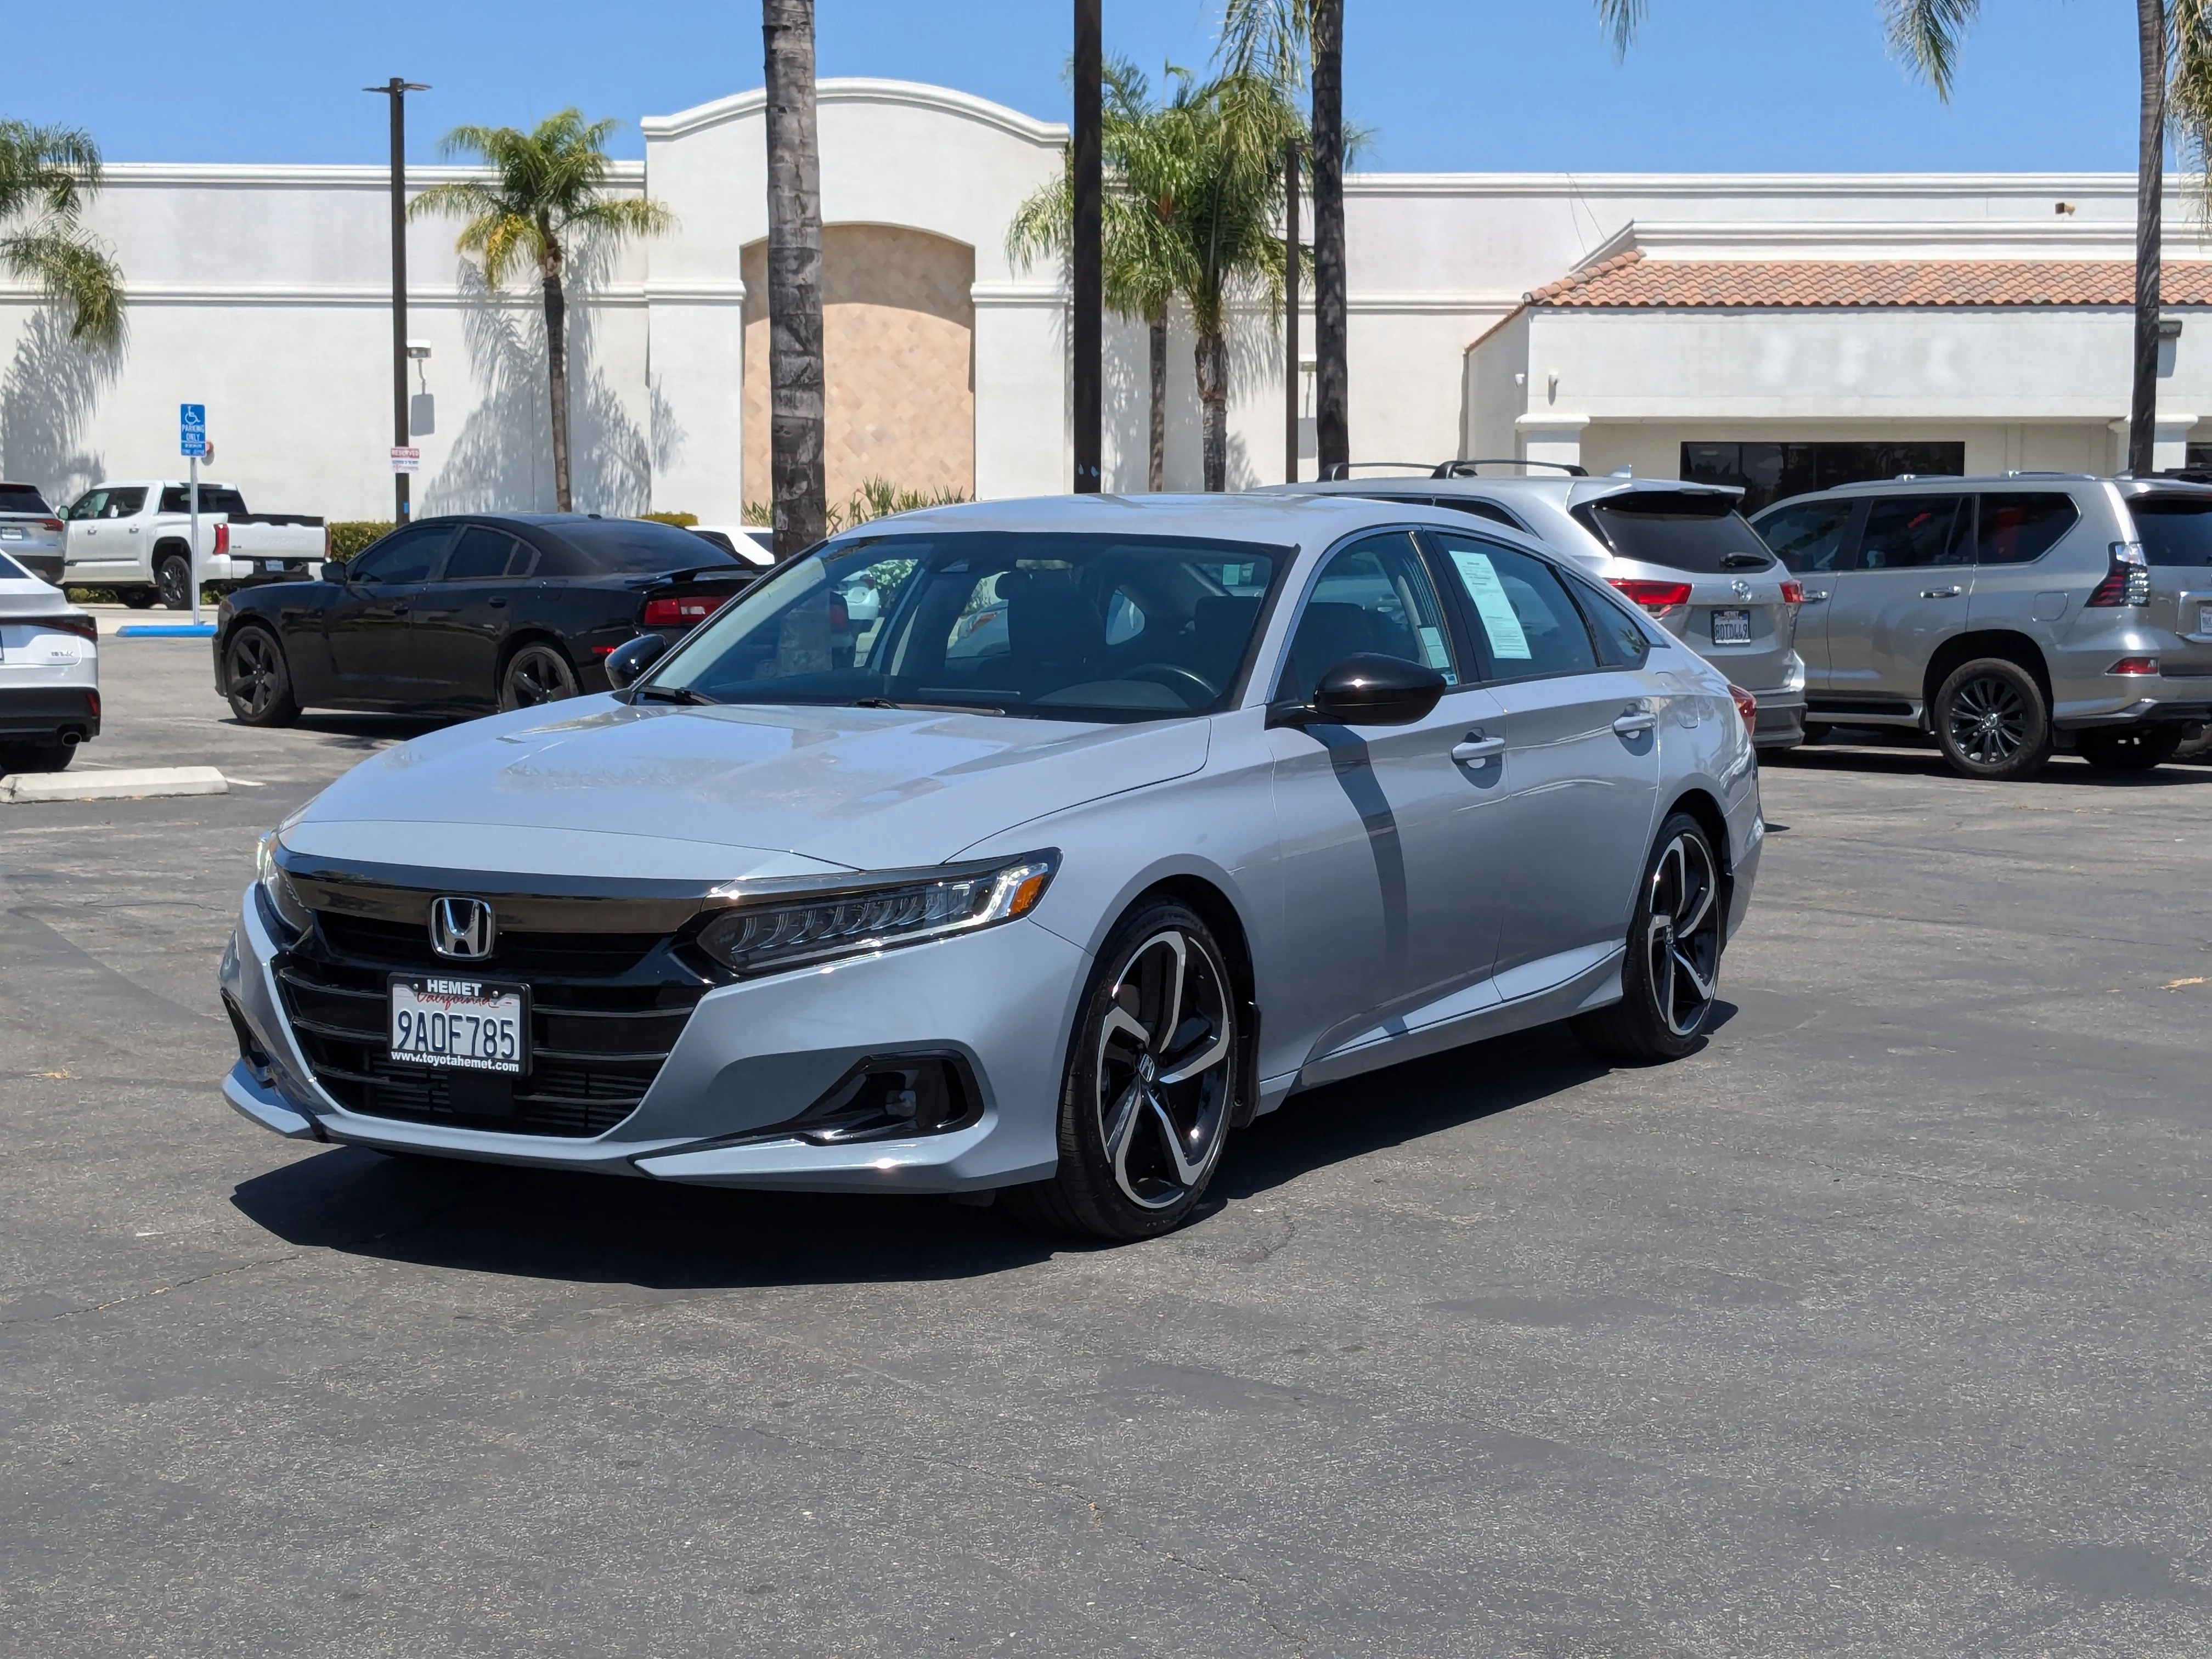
(672, 694)
(935, 707)
(1742, 561)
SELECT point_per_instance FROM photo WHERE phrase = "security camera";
(418, 350)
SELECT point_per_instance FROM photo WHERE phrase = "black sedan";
(467, 614)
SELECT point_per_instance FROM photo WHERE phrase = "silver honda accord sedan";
(1032, 846)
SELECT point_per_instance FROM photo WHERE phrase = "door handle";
(497, 602)
(398, 610)
(1476, 750)
(1819, 597)
(1635, 721)
(1941, 593)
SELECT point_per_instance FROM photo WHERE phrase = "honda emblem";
(462, 928)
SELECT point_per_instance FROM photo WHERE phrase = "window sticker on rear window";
(1491, 602)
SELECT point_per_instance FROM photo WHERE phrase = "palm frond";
(2189, 90)
(1926, 33)
(74, 272)
(550, 186)
(1620, 19)
(1271, 39)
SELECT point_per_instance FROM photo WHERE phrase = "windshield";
(1691, 529)
(1059, 627)
(2174, 530)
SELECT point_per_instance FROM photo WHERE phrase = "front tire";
(1152, 1085)
(2130, 749)
(536, 674)
(1993, 721)
(1674, 944)
(258, 680)
(172, 579)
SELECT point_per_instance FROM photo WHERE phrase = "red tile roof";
(1631, 280)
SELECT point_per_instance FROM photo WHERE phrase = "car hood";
(601, 788)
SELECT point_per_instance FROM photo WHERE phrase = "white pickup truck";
(134, 536)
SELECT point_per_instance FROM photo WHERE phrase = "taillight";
(85, 628)
(54, 524)
(1793, 592)
(1654, 596)
(92, 704)
(1748, 706)
(222, 539)
(2133, 665)
(680, 612)
(2127, 580)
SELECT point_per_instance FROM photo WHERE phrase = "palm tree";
(548, 196)
(794, 279)
(1197, 190)
(1141, 273)
(47, 175)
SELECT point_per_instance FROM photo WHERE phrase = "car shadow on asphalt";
(590, 1229)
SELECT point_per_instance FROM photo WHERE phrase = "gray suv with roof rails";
(1681, 551)
(2008, 615)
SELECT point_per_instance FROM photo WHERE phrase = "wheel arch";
(1214, 907)
(2005, 643)
(1700, 804)
(528, 635)
(238, 624)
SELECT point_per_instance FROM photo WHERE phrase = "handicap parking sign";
(191, 421)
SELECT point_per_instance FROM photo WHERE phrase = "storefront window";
(1769, 473)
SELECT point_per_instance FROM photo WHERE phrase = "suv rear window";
(2174, 530)
(1684, 529)
(23, 498)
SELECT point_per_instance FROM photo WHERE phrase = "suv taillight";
(1654, 596)
(679, 612)
(1792, 591)
(54, 524)
(2127, 580)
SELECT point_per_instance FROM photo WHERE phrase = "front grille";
(605, 1011)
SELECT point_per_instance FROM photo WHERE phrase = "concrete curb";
(21, 788)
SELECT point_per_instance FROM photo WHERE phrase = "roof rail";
(1465, 466)
(1338, 472)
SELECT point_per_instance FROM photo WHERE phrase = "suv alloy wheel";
(1992, 721)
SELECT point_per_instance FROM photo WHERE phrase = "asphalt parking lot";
(1878, 1327)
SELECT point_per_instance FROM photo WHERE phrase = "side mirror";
(332, 571)
(627, 663)
(1368, 689)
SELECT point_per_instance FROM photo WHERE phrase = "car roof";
(1560, 490)
(1271, 517)
(1941, 481)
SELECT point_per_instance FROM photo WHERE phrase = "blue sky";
(1469, 85)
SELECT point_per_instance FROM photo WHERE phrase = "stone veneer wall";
(898, 323)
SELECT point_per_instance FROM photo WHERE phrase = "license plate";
(2204, 617)
(1731, 628)
(468, 1025)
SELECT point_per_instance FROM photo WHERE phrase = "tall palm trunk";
(1213, 407)
(1332, 378)
(1156, 461)
(794, 279)
(2150, 201)
(556, 370)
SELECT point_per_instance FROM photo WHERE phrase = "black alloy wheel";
(1673, 968)
(257, 679)
(1151, 1085)
(1992, 721)
(536, 674)
(2129, 748)
(173, 577)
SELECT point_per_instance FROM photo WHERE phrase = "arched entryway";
(898, 328)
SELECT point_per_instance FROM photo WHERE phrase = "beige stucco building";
(261, 292)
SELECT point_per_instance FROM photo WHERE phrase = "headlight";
(277, 889)
(774, 930)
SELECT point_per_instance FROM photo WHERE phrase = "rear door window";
(2019, 526)
(1528, 623)
(1908, 531)
(2174, 530)
(1810, 537)
(483, 553)
(1697, 530)
(214, 501)
(123, 503)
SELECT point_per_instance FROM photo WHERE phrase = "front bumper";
(753, 1055)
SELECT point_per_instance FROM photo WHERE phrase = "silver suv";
(2008, 615)
(1680, 550)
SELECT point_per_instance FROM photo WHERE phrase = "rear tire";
(1675, 944)
(2130, 749)
(138, 598)
(1152, 1085)
(172, 579)
(535, 675)
(38, 757)
(257, 678)
(1992, 721)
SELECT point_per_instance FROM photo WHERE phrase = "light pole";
(1290, 275)
(1088, 333)
(397, 90)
